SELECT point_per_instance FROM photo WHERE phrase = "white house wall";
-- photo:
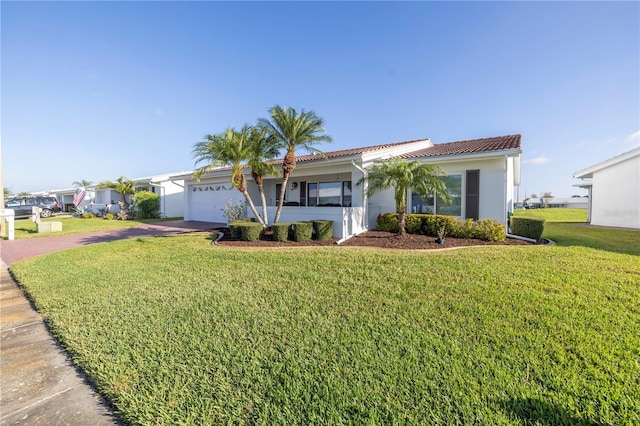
(494, 183)
(616, 195)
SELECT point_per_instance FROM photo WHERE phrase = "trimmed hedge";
(234, 227)
(323, 229)
(528, 227)
(429, 224)
(302, 231)
(250, 231)
(281, 231)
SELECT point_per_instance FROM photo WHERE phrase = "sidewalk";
(39, 384)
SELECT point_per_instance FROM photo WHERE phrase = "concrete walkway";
(39, 384)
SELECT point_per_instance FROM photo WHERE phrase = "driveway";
(15, 250)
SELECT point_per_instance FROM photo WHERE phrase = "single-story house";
(614, 190)
(169, 190)
(65, 197)
(480, 175)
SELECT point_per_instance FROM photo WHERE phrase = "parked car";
(22, 206)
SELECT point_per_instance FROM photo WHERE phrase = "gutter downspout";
(365, 209)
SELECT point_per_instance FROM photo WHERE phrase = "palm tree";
(262, 149)
(124, 187)
(545, 198)
(7, 193)
(82, 183)
(228, 148)
(291, 131)
(402, 175)
(23, 194)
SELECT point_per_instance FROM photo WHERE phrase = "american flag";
(79, 196)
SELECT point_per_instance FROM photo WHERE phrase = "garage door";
(207, 200)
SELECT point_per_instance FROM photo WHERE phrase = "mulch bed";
(376, 239)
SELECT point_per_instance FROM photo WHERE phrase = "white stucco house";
(614, 190)
(481, 176)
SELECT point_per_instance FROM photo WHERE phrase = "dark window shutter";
(473, 194)
(303, 193)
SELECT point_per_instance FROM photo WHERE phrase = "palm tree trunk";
(253, 207)
(283, 190)
(263, 199)
(401, 222)
(288, 165)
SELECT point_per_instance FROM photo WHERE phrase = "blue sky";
(96, 90)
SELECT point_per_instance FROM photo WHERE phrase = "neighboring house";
(614, 190)
(65, 197)
(170, 192)
(481, 176)
(572, 202)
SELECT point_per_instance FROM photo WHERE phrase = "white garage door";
(207, 200)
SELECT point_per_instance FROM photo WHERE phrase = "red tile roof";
(497, 143)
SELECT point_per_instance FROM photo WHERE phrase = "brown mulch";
(375, 239)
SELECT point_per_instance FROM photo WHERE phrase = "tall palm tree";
(7, 193)
(262, 149)
(291, 131)
(228, 148)
(124, 187)
(82, 183)
(402, 175)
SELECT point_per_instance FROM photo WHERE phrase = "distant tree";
(23, 194)
(291, 131)
(82, 183)
(124, 187)
(545, 198)
(7, 193)
(402, 175)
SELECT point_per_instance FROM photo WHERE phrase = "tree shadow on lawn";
(537, 411)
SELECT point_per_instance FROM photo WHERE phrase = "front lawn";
(176, 331)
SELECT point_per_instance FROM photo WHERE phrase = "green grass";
(176, 331)
(26, 228)
(568, 227)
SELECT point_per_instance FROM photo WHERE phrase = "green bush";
(109, 216)
(431, 224)
(147, 205)
(250, 231)
(387, 222)
(302, 231)
(88, 215)
(323, 229)
(281, 231)
(528, 227)
(234, 229)
(490, 230)
(465, 228)
(413, 223)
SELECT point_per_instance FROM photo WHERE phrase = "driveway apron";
(40, 385)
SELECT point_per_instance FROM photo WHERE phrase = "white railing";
(347, 221)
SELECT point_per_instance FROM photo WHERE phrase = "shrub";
(302, 231)
(281, 231)
(464, 228)
(250, 231)
(234, 227)
(109, 216)
(234, 210)
(88, 215)
(323, 229)
(147, 205)
(432, 224)
(387, 222)
(490, 230)
(413, 223)
(528, 227)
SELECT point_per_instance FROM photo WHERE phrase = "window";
(433, 204)
(329, 194)
(278, 189)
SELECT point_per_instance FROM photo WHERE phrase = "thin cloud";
(541, 159)
(633, 139)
